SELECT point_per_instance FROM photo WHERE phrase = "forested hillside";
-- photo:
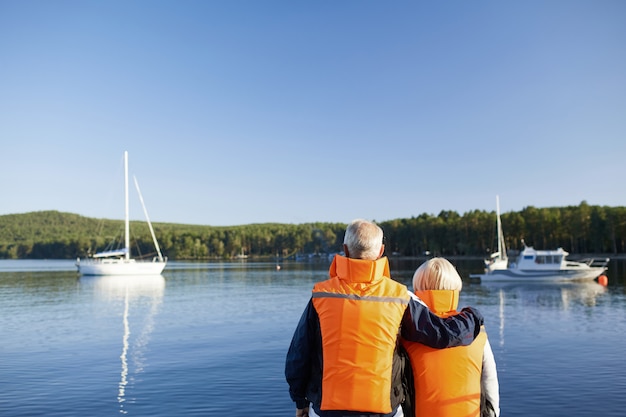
(578, 229)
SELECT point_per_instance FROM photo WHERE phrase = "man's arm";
(421, 325)
(299, 357)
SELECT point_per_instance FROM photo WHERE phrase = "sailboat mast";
(501, 246)
(126, 216)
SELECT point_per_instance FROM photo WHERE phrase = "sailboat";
(499, 259)
(119, 262)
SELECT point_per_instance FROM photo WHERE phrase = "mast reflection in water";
(135, 291)
(560, 295)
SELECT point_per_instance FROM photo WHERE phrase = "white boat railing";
(596, 262)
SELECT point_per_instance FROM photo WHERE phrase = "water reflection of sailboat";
(561, 296)
(135, 291)
(553, 294)
(501, 314)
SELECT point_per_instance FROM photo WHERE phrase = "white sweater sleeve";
(489, 379)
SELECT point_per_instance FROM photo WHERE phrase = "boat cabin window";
(548, 259)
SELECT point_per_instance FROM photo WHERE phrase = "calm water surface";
(210, 340)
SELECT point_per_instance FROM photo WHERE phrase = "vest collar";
(440, 302)
(359, 270)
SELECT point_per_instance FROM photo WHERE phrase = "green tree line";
(581, 229)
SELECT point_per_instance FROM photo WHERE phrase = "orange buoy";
(603, 280)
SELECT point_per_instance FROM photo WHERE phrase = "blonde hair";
(364, 239)
(437, 274)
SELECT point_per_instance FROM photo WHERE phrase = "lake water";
(210, 340)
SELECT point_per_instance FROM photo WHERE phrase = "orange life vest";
(446, 381)
(360, 310)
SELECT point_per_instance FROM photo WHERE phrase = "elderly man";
(343, 359)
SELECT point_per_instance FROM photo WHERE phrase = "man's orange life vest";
(360, 310)
(447, 381)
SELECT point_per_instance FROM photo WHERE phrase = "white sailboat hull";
(119, 267)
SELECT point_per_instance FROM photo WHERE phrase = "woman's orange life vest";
(360, 310)
(446, 381)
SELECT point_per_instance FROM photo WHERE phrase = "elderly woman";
(459, 381)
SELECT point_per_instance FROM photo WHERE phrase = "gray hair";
(364, 239)
(437, 274)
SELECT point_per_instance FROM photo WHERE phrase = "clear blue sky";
(238, 112)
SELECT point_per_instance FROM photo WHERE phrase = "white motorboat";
(545, 265)
(119, 261)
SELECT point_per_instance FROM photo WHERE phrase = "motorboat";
(545, 265)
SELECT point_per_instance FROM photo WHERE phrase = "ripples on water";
(210, 339)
